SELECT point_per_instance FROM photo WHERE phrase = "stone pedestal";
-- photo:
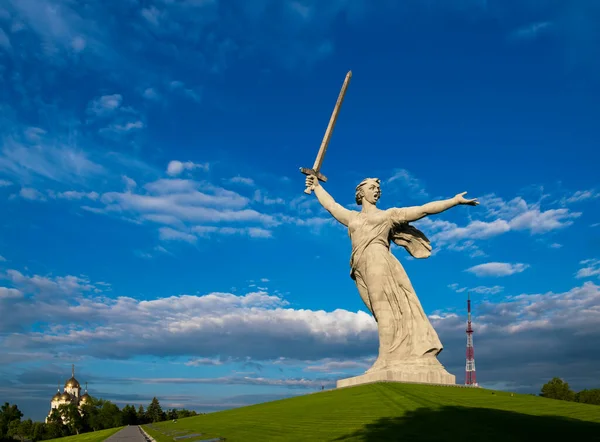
(423, 371)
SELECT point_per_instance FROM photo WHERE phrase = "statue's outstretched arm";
(340, 213)
(417, 212)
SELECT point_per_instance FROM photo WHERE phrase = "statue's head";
(368, 189)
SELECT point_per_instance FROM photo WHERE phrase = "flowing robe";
(405, 332)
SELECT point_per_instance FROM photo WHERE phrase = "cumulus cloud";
(184, 209)
(581, 195)
(175, 168)
(522, 341)
(8, 293)
(497, 269)
(591, 268)
(501, 217)
(31, 194)
(256, 325)
(259, 326)
(48, 285)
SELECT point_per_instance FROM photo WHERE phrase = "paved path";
(128, 434)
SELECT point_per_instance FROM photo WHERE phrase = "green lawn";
(394, 411)
(94, 436)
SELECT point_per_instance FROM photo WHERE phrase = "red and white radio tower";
(470, 378)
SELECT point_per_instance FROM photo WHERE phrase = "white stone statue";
(408, 344)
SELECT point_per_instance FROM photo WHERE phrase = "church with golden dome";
(71, 394)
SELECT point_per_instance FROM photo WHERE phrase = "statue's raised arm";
(417, 212)
(340, 213)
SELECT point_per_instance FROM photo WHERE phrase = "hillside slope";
(394, 411)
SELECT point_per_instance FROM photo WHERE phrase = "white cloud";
(560, 326)
(151, 14)
(256, 325)
(531, 31)
(5, 183)
(236, 380)
(242, 180)
(126, 127)
(196, 362)
(175, 167)
(51, 286)
(591, 268)
(253, 232)
(259, 196)
(555, 246)
(482, 290)
(2, 258)
(507, 216)
(151, 94)
(130, 183)
(169, 234)
(497, 269)
(581, 195)
(78, 44)
(105, 105)
(340, 366)
(31, 194)
(5, 41)
(8, 293)
(47, 160)
(75, 195)
(180, 87)
(404, 178)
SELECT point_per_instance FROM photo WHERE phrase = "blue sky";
(154, 229)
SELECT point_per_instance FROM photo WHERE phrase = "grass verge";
(395, 411)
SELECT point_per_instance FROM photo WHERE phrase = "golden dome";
(72, 383)
(86, 398)
(56, 397)
(65, 396)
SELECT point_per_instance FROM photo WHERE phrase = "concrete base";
(428, 372)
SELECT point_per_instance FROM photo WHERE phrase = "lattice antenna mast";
(470, 378)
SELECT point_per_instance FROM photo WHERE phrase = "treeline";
(558, 389)
(67, 419)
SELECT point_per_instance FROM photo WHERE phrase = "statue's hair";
(360, 193)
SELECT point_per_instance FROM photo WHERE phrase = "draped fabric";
(404, 330)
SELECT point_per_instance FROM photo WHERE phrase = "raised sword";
(316, 169)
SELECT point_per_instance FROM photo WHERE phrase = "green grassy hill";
(393, 411)
(94, 436)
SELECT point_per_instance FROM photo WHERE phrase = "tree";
(185, 413)
(71, 417)
(154, 412)
(55, 427)
(21, 429)
(8, 414)
(37, 433)
(141, 415)
(129, 415)
(557, 389)
(588, 396)
(110, 416)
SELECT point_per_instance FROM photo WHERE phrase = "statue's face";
(371, 192)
